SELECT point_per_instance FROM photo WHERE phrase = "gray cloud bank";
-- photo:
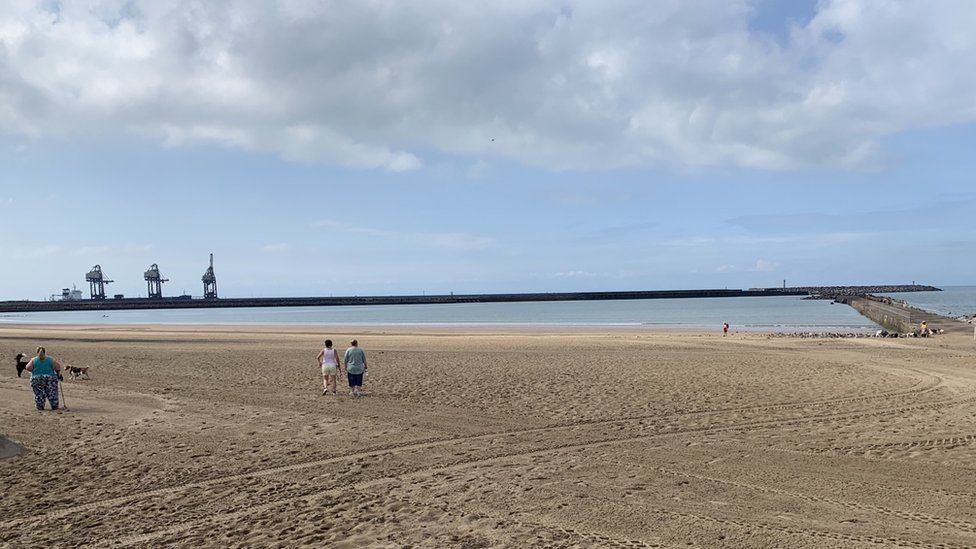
(572, 85)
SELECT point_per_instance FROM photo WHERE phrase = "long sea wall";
(833, 292)
(896, 316)
(176, 303)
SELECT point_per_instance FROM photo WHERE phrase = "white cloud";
(452, 241)
(276, 248)
(90, 250)
(567, 85)
(745, 241)
(761, 266)
(106, 249)
(574, 274)
(22, 254)
(324, 223)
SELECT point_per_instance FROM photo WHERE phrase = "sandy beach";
(219, 436)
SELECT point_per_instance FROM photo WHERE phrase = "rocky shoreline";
(847, 335)
(833, 292)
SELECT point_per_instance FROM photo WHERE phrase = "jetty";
(898, 316)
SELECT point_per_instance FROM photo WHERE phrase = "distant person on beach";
(45, 373)
(355, 360)
(329, 360)
(725, 329)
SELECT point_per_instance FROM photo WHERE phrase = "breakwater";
(177, 303)
(898, 316)
(816, 292)
(834, 292)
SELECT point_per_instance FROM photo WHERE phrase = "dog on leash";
(21, 363)
(77, 372)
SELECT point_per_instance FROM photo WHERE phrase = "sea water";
(951, 301)
(780, 313)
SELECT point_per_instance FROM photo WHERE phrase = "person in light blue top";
(45, 373)
(355, 360)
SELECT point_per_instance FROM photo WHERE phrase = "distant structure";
(154, 282)
(68, 294)
(210, 282)
(96, 282)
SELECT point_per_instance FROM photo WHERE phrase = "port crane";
(154, 282)
(96, 282)
(210, 282)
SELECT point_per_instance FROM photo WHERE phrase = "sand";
(220, 437)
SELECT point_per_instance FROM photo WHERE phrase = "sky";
(375, 147)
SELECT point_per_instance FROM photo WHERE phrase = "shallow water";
(952, 301)
(782, 313)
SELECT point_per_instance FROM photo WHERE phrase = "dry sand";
(219, 437)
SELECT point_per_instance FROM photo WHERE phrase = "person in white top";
(331, 366)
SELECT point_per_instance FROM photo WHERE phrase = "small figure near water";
(923, 330)
(725, 329)
(45, 374)
(355, 360)
(328, 359)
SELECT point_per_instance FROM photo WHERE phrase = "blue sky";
(387, 148)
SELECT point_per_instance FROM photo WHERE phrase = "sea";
(953, 301)
(779, 314)
(744, 313)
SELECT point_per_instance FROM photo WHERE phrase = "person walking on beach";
(331, 366)
(725, 329)
(45, 372)
(355, 360)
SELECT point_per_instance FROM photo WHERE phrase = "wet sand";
(219, 436)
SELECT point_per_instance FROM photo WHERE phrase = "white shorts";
(329, 369)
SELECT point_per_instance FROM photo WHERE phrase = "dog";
(21, 363)
(77, 372)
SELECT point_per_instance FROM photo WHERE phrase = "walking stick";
(64, 403)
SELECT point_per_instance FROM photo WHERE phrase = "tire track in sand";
(796, 531)
(925, 518)
(603, 540)
(462, 464)
(432, 443)
(946, 442)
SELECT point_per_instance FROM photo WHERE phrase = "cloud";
(940, 214)
(453, 241)
(136, 248)
(761, 266)
(324, 223)
(563, 85)
(745, 241)
(574, 274)
(105, 249)
(21, 254)
(276, 248)
(90, 250)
